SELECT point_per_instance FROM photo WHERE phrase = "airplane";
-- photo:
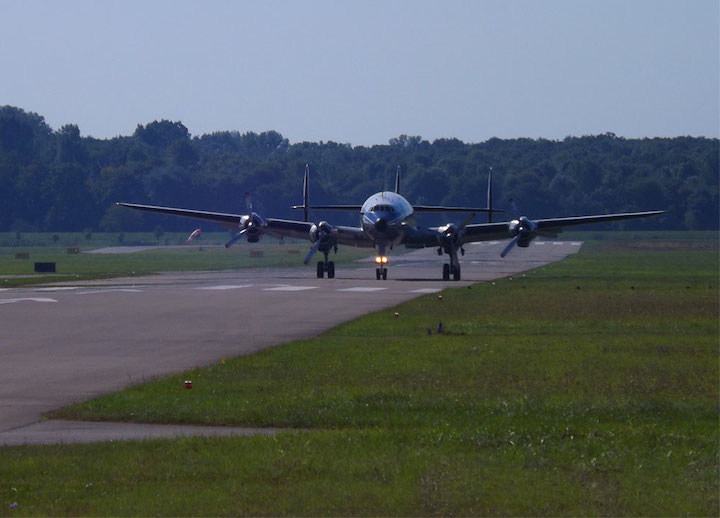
(387, 220)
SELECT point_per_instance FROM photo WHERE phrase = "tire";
(384, 274)
(320, 270)
(456, 274)
(377, 273)
(331, 270)
(446, 272)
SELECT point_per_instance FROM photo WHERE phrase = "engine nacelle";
(323, 232)
(449, 234)
(524, 229)
(253, 227)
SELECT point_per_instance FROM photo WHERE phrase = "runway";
(67, 343)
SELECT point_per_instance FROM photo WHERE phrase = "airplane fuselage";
(384, 217)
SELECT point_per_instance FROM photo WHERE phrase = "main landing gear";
(448, 270)
(326, 266)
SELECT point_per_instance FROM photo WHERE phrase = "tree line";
(57, 180)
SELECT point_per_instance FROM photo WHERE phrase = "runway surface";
(68, 343)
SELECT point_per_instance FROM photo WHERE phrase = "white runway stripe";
(31, 299)
(426, 290)
(291, 288)
(576, 243)
(362, 289)
(127, 290)
(225, 287)
(58, 288)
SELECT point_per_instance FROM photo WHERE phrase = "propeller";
(324, 237)
(452, 234)
(522, 231)
(250, 225)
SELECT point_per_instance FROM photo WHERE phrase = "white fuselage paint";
(383, 218)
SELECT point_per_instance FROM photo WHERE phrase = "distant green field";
(586, 387)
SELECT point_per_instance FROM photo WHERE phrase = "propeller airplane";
(387, 220)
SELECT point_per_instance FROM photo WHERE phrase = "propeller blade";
(248, 203)
(466, 221)
(510, 245)
(235, 238)
(312, 252)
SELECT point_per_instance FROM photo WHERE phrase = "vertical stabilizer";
(397, 181)
(490, 197)
(306, 181)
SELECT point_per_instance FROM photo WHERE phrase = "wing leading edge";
(274, 227)
(549, 226)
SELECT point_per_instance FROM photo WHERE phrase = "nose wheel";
(381, 273)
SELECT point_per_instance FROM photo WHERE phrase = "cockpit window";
(383, 208)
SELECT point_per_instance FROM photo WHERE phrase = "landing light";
(381, 259)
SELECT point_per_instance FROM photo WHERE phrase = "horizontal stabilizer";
(436, 208)
(355, 208)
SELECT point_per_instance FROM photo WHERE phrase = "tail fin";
(306, 188)
(490, 197)
(397, 181)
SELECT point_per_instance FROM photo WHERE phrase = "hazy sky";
(364, 71)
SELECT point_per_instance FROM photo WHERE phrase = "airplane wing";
(274, 227)
(420, 237)
(217, 217)
(548, 227)
(351, 236)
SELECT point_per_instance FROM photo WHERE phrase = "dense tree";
(60, 181)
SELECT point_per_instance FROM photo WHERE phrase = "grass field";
(587, 387)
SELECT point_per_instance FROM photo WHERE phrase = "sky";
(365, 71)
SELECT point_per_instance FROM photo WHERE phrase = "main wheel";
(331, 270)
(320, 269)
(446, 272)
(384, 274)
(378, 274)
(456, 274)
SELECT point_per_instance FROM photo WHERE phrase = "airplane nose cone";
(380, 225)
